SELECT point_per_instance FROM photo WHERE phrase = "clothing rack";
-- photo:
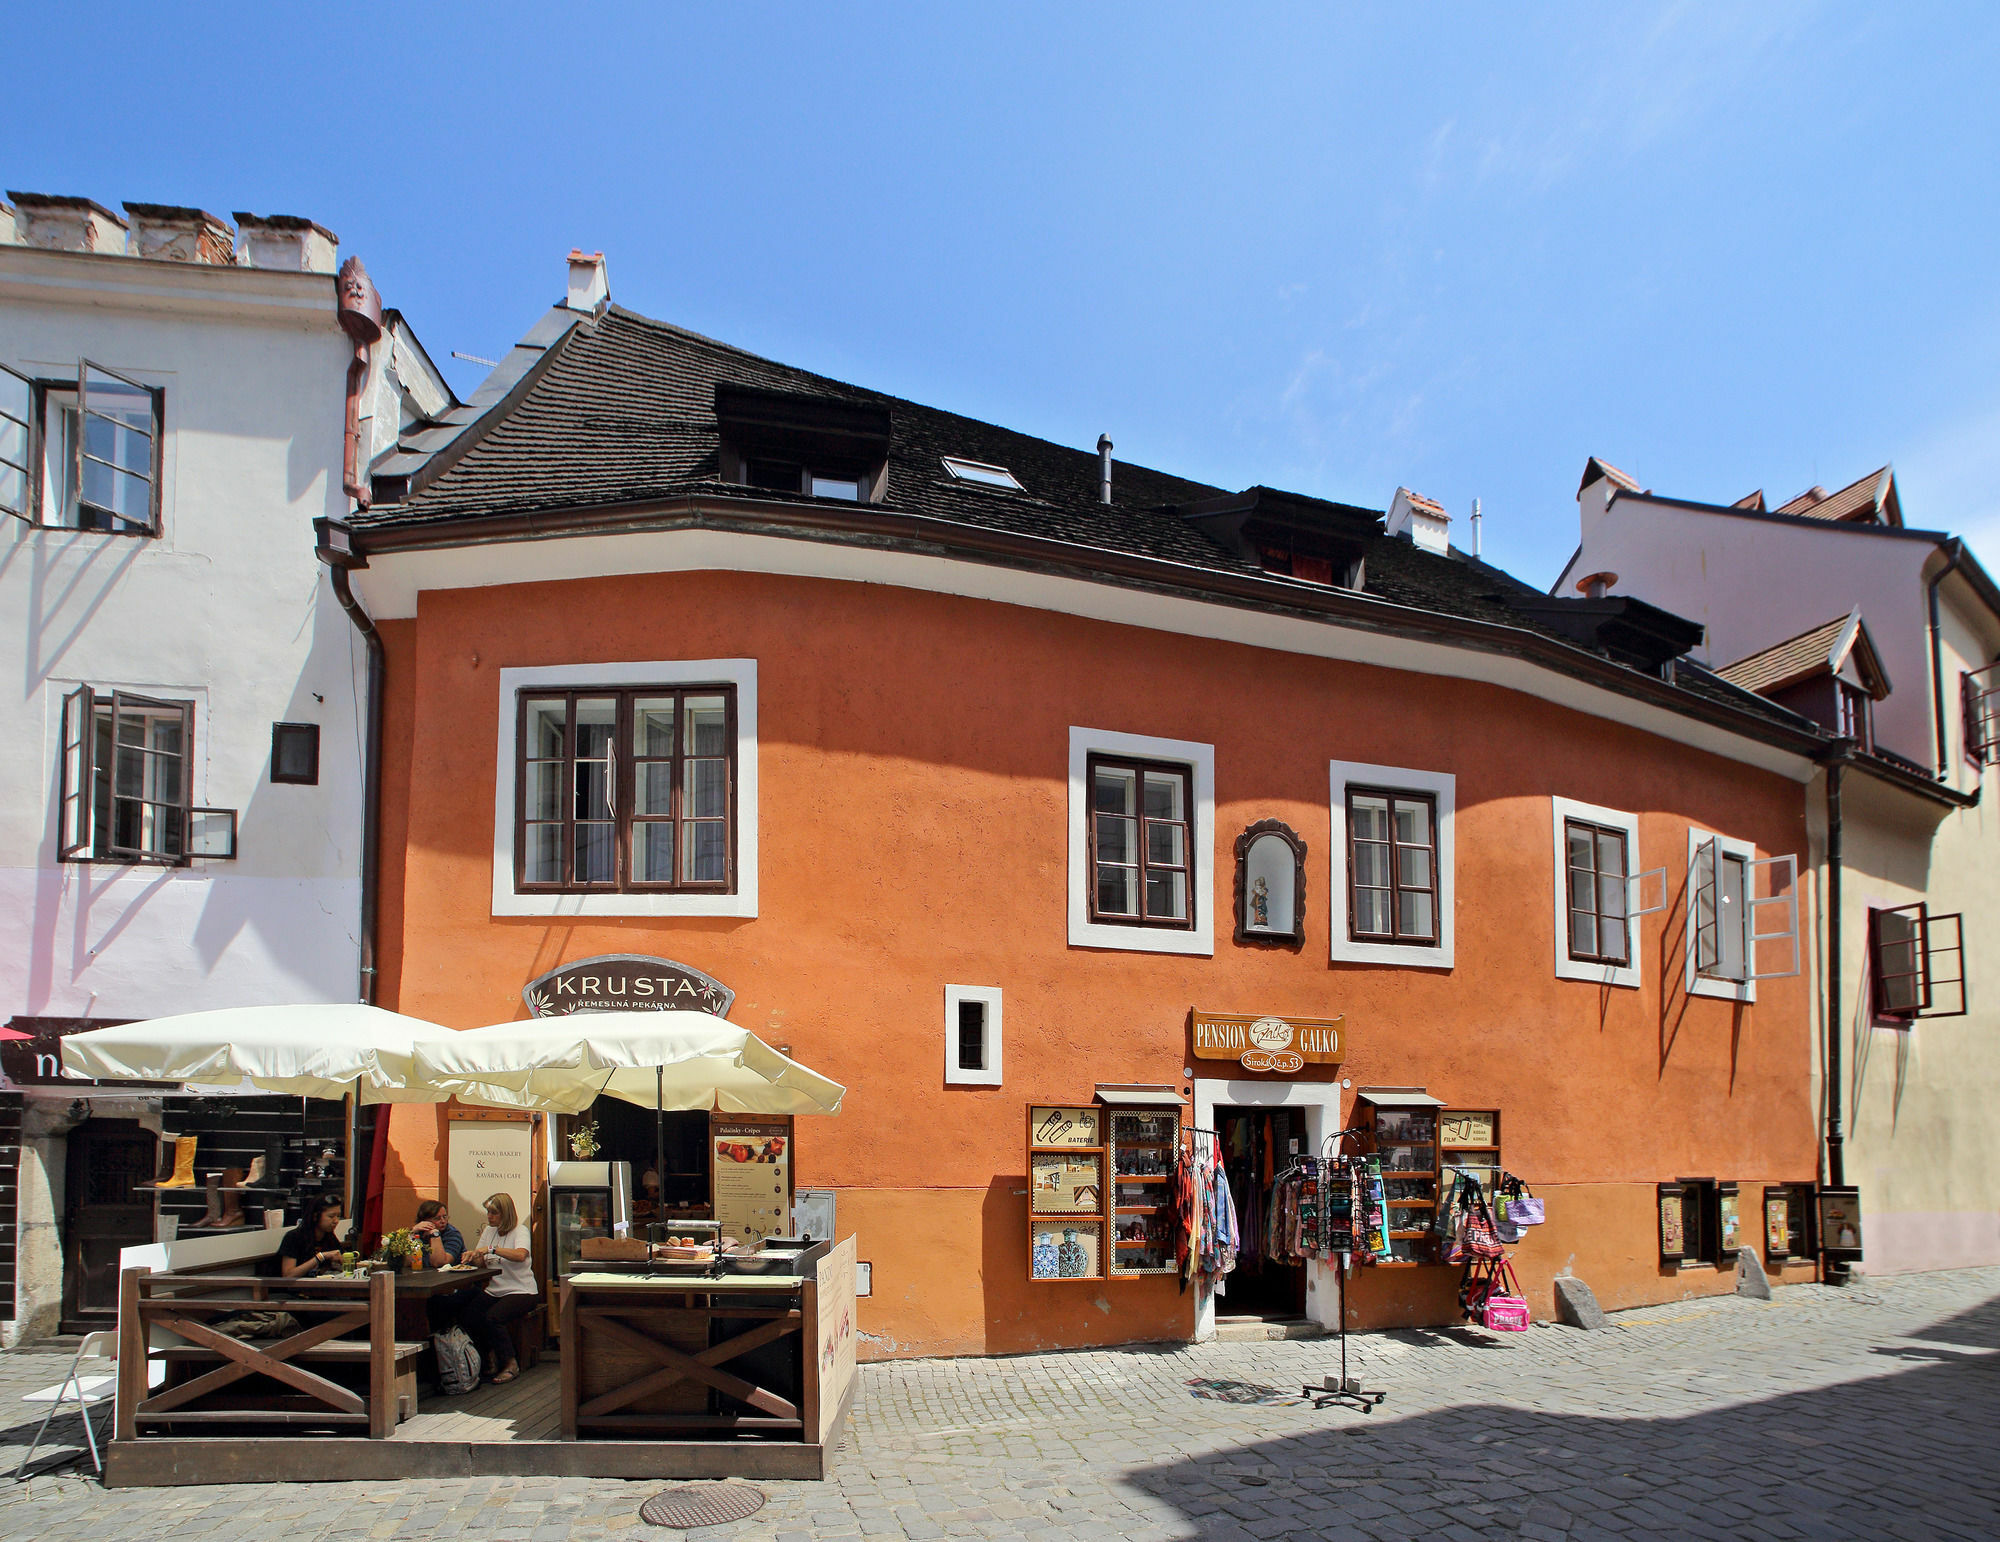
(1347, 1390)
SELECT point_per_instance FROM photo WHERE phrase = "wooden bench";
(344, 1352)
(529, 1334)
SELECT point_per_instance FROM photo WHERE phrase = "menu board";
(751, 1181)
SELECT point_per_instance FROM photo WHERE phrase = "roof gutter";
(887, 529)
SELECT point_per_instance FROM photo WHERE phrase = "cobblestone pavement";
(1866, 1412)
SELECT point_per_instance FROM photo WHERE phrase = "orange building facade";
(921, 719)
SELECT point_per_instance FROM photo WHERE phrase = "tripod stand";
(1347, 1390)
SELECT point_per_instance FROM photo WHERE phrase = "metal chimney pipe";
(1476, 517)
(1103, 468)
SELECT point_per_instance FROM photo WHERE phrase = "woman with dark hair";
(313, 1244)
(506, 1299)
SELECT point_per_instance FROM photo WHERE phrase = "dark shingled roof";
(622, 411)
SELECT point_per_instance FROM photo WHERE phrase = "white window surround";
(1443, 788)
(1562, 809)
(741, 673)
(956, 1075)
(1709, 985)
(1200, 759)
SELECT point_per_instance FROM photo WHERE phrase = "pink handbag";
(1508, 1313)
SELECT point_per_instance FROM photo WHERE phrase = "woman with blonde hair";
(511, 1296)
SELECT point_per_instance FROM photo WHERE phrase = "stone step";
(1253, 1330)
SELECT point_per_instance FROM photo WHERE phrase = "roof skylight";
(981, 473)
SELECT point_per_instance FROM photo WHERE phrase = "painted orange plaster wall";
(913, 759)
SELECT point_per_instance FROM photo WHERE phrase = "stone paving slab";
(1857, 1413)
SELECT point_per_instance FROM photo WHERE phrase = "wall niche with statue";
(1270, 886)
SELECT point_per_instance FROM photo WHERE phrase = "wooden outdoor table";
(415, 1290)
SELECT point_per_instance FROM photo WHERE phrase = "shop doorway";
(103, 1211)
(628, 1133)
(1257, 1144)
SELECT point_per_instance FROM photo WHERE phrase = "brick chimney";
(285, 243)
(58, 224)
(167, 232)
(589, 283)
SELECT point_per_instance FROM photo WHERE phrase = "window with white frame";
(1141, 843)
(627, 789)
(81, 456)
(1742, 917)
(972, 1039)
(1596, 884)
(1392, 865)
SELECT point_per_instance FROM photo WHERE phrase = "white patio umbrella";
(318, 1050)
(662, 1060)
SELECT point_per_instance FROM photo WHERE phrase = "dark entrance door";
(101, 1214)
(1257, 1145)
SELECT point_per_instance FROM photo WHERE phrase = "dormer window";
(982, 475)
(1852, 714)
(818, 447)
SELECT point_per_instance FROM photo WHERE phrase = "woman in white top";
(513, 1295)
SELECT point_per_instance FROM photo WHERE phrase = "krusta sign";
(626, 982)
(1284, 1044)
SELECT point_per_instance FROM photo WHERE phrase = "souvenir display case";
(1145, 1144)
(1406, 1144)
(1788, 1223)
(1469, 1140)
(1067, 1196)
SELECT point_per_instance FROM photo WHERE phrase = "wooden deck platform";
(507, 1431)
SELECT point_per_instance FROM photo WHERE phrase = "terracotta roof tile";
(1814, 652)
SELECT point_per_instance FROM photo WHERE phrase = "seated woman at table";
(441, 1242)
(512, 1296)
(313, 1246)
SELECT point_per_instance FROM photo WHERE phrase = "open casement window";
(1141, 843)
(1917, 961)
(630, 791)
(115, 453)
(17, 483)
(1599, 895)
(126, 783)
(1981, 692)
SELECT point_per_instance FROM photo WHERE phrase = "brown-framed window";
(1142, 842)
(1851, 707)
(1392, 881)
(125, 789)
(295, 753)
(1916, 964)
(17, 438)
(1599, 932)
(626, 790)
(94, 459)
(1979, 690)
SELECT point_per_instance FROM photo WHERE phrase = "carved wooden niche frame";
(1270, 935)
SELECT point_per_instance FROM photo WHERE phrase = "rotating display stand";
(1345, 1391)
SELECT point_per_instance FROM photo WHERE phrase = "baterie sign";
(626, 982)
(1284, 1044)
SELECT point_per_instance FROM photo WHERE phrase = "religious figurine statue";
(1260, 905)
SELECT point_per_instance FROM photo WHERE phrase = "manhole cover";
(716, 1505)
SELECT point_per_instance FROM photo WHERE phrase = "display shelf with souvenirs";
(1067, 1196)
(1469, 1140)
(1405, 1139)
(1145, 1146)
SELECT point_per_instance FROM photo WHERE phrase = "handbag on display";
(1522, 1208)
(1504, 1309)
(1476, 1237)
(1506, 1228)
(1474, 1287)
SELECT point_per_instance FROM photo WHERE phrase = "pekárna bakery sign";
(626, 982)
(1284, 1044)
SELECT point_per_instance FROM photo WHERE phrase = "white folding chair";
(92, 1379)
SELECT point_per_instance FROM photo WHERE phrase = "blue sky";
(1329, 249)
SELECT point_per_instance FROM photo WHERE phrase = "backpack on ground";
(457, 1362)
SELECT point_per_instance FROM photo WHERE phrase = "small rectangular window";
(1141, 843)
(972, 1035)
(212, 834)
(1392, 866)
(295, 753)
(1598, 932)
(982, 474)
(848, 488)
